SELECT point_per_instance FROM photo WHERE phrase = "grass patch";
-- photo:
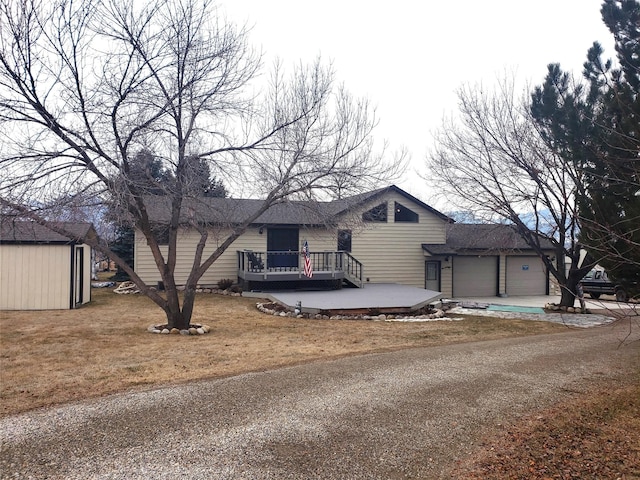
(52, 357)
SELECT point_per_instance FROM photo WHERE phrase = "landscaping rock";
(193, 330)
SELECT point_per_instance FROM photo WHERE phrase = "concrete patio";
(379, 296)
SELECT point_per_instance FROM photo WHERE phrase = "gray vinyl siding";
(392, 252)
(226, 266)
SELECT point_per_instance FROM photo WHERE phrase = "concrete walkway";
(541, 300)
(607, 310)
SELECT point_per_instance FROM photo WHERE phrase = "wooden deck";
(383, 297)
(282, 267)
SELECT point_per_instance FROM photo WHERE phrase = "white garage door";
(526, 276)
(475, 276)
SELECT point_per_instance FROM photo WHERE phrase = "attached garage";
(488, 260)
(526, 275)
(41, 269)
(475, 276)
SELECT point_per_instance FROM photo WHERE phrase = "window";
(376, 214)
(344, 240)
(403, 214)
(432, 271)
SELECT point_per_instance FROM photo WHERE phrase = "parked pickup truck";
(597, 283)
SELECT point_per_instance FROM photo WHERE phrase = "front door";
(284, 241)
(78, 286)
(432, 276)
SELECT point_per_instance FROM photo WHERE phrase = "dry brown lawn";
(594, 435)
(52, 357)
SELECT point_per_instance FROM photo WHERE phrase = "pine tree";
(596, 125)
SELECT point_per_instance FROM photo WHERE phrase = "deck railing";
(352, 268)
(275, 266)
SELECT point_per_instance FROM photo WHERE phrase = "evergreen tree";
(143, 174)
(596, 125)
(147, 175)
(198, 179)
(123, 247)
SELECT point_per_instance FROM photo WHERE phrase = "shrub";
(224, 283)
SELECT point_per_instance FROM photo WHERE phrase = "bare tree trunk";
(570, 288)
(188, 302)
(568, 296)
(175, 316)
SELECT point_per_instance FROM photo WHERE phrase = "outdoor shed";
(41, 269)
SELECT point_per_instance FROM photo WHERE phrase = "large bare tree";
(87, 85)
(491, 161)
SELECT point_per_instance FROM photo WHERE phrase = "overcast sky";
(409, 57)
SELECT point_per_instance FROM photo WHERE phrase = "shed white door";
(526, 276)
(475, 276)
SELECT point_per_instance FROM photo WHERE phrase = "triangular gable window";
(403, 214)
(376, 214)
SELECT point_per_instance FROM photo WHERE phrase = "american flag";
(308, 269)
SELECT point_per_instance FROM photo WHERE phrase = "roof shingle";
(478, 237)
(294, 212)
(24, 231)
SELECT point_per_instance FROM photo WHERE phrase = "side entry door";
(432, 276)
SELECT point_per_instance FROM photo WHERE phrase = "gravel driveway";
(405, 414)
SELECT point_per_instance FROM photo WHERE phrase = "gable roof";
(481, 237)
(357, 200)
(294, 212)
(13, 231)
